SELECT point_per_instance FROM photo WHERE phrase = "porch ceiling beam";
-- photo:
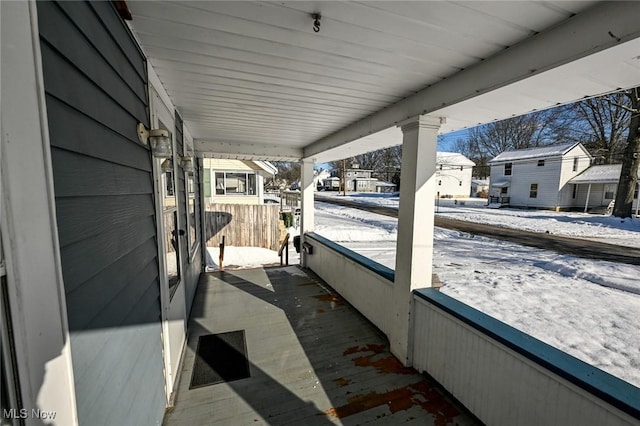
(246, 150)
(605, 25)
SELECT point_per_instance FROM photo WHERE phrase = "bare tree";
(525, 131)
(384, 162)
(601, 123)
(288, 171)
(631, 161)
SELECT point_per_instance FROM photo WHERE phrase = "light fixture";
(187, 164)
(160, 141)
(167, 165)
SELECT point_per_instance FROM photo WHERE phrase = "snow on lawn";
(242, 257)
(586, 308)
(602, 228)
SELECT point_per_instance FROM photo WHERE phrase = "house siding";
(449, 179)
(565, 194)
(212, 165)
(95, 88)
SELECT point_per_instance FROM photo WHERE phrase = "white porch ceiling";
(253, 80)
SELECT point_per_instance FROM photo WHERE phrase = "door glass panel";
(170, 221)
(192, 211)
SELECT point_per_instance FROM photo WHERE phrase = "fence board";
(252, 225)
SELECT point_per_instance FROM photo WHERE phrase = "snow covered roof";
(453, 158)
(501, 183)
(607, 173)
(542, 152)
(480, 181)
(267, 167)
(381, 183)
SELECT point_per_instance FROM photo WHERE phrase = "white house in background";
(537, 177)
(231, 181)
(319, 176)
(453, 174)
(597, 187)
(479, 187)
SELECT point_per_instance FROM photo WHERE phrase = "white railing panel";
(503, 386)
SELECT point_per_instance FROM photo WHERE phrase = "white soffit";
(253, 80)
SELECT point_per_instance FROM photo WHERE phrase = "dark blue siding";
(95, 84)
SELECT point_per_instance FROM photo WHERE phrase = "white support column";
(35, 288)
(586, 203)
(307, 209)
(414, 250)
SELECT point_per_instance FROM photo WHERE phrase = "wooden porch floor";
(314, 359)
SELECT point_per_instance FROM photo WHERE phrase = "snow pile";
(242, 257)
(607, 274)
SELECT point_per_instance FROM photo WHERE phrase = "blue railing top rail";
(379, 269)
(605, 386)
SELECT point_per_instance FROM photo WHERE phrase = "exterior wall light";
(187, 164)
(160, 141)
(167, 165)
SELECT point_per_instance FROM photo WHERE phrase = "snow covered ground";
(602, 228)
(586, 308)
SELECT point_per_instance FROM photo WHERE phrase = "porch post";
(414, 250)
(586, 203)
(307, 209)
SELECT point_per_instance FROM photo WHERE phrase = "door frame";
(172, 305)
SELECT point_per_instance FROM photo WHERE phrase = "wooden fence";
(243, 225)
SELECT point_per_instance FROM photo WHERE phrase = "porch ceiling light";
(159, 138)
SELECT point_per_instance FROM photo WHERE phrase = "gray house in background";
(359, 180)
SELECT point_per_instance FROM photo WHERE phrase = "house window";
(503, 191)
(610, 191)
(168, 187)
(193, 212)
(507, 169)
(540, 163)
(235, 183)
(460, 182)
(461, 168)
(575, 164)
(575, 191)
(440, 183)
(440, 166)
(533, 190)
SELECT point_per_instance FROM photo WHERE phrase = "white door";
(170, 231)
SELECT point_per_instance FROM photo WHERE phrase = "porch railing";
(499, 200)
(503, 376)
(506, 377)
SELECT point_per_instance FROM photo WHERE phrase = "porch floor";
(313, 359)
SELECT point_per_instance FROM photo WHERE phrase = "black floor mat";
(220, 358)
